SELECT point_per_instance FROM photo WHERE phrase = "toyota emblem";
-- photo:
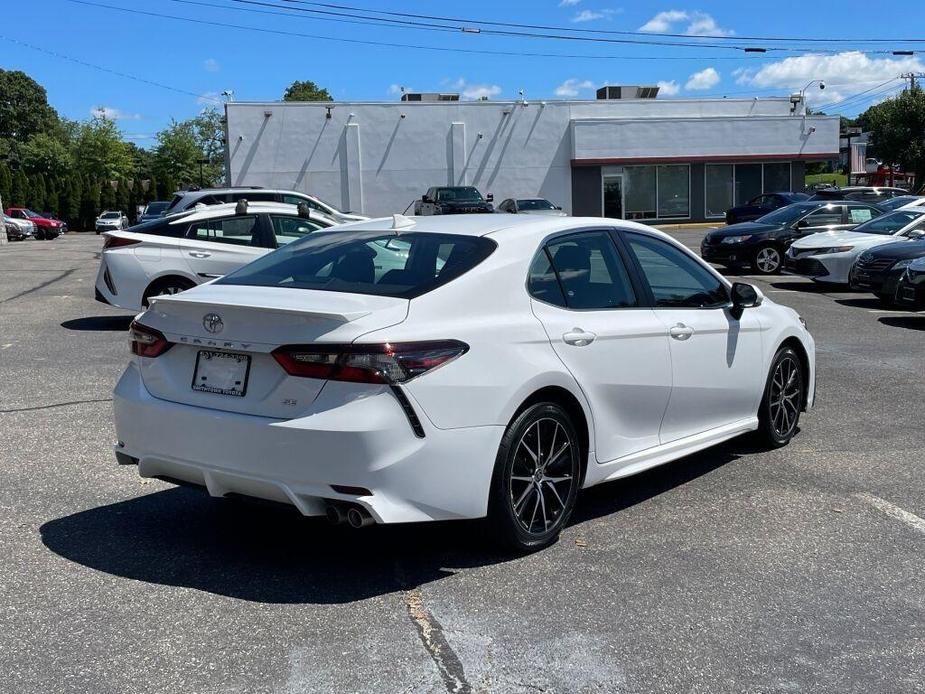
(212, 322)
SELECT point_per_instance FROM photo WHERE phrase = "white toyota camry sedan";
(829, 255)
(416, 369)
(171, 254)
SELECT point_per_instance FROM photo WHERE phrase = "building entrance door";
(613, 196)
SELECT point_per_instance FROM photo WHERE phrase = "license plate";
(223, 373)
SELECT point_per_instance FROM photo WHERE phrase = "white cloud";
(705, 79)
(569, 3)
(113, 113)
(668, 88)
(845, 74)
(471, 91)
(694, 23)
(571, 87)
(211, 65)
(591, 15)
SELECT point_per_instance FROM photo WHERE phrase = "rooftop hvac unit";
(430, 96)
(627, 92)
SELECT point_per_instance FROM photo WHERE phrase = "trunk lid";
(253, 321)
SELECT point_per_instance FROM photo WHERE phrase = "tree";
(44, 153)
(24, 109)
(306, 91)
(19, 191)
(897, 131)
(100, 150)
(36, 196)
(184, 144)
(6, 184)
(89, 203)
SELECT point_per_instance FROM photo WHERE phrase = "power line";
(385, 44)
(101, 68)
(486, 22)
(863, 96)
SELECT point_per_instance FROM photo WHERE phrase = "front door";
(717, 373)
(614, 346)
(613, 196)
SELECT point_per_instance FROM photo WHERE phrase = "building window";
(718, 179)
(674, 191)
(776, 177)
(647, 192)
(747, 182)
(727, 185)
(640, 192)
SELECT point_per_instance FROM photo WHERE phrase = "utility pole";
(912, 77)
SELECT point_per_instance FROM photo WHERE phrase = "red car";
(44, 228)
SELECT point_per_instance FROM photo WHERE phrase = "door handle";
(680, 331)
(578, 337)
(200, 254)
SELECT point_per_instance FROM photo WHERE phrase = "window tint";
(543, 283)
(251, 196)
(367, 262)
(289, 229)
(824, 216)
(857, 215)
(240, 231)
(590, 272)
(676, 279)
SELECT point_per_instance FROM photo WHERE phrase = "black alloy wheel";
(783, 399)
(536, 479)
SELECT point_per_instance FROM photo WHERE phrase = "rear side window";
(238, 231)
(289, 229)
(857, 215)
(367, 262)
(589, 271)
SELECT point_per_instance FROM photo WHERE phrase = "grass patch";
(838, 179)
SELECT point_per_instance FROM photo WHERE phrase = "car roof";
(226, 208)
(500, 226)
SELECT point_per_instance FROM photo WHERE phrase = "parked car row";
(18, 229)
(45, 227)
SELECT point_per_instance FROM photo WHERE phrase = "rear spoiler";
(336, 316)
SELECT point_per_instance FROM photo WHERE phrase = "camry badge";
(212, 322)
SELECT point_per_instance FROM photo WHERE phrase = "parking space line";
(910, 519)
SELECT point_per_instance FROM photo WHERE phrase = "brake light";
(117, 241)
(388, 363)
(147, 342)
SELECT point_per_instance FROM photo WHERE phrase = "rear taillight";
(117, 241)
(147, 342)
(387, 363)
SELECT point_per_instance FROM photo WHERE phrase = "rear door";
(215, 247)
(716, 363)
(287, 228)
(611, 342)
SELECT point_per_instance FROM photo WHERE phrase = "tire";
(166, 286)
(527, 507)
(779, 417)
(768, 260)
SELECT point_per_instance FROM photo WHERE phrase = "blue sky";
(201, 60)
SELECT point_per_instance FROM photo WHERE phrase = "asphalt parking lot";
(734, 570)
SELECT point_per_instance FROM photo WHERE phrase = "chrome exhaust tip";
(359, 518)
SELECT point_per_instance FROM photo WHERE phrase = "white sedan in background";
(828, 256)
(457, 366)
(174, 253)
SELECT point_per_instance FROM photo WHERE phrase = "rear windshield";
(176, 201)
(890, 223)
(367, 262)
(156, 207)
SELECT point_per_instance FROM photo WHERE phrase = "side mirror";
(743, 296)
(802, 224)
(424, 198)
(558, 207)
(490, 197)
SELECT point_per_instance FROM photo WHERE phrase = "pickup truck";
(453, 200)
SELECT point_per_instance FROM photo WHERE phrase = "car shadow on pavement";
(870, 302)
(911, 322)
(265, 552)
(99, 323)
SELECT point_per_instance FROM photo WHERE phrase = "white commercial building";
(645, 159)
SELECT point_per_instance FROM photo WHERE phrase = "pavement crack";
(58, 278)
(431, 633)
(55, 404)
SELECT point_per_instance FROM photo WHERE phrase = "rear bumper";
(351, 441)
